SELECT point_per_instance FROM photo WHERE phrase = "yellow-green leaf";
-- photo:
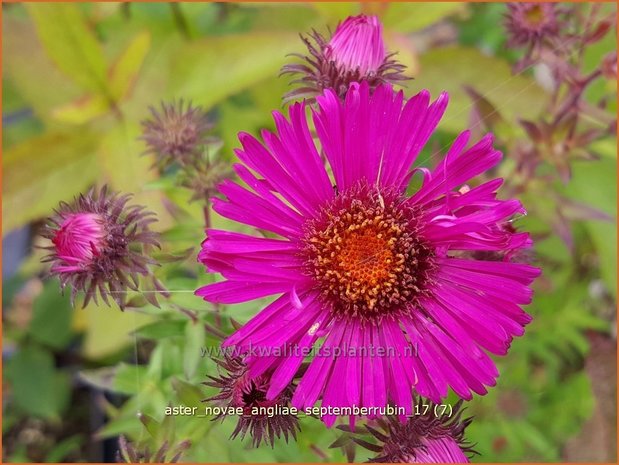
(42, 171)
(124, 71)
(336, 11)
(206, 75)
(108, 329)
(413, 16)
(125, 169)
(122, 165)
(451, 68)
(21, 54)
(82, 110)
(70, 43)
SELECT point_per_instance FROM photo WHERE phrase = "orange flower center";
(366, 255)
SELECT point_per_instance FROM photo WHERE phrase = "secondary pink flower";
(441, 450)
(100, 246)
(531, 23)
(423, 438)
(375, 274)
(237, 389)
(355, 53)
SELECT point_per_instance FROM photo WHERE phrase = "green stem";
(180, 20)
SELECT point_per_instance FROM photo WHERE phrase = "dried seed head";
(529, 24)
(176, 133)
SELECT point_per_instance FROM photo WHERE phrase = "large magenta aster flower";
(380, 277)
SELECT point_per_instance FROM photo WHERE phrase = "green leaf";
(595, 184)
(82, 110)
(124, 71)
(122, 425)
(101, 378)
(450, 68)
(122, 77)
(36, 174)
(121, 148)
(151, 425)
(64, 448)
(413, 16)
(70, 44)
(336, 11)
(36, 387)
(194, 340)
(162, 329)
(605, 147)
(51, 321)
(188, 394)
(23, 53)
(129, 378)
(108, 329)
(206, 75)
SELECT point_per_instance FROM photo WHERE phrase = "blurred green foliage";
(78, 79)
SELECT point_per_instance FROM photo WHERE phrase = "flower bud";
(100, 246)
(357, 45)
(356, 52)
(79, 241)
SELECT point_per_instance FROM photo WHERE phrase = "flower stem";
(180, 20)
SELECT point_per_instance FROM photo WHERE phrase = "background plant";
(78, 79)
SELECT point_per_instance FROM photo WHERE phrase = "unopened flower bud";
(356, 52)
(100, 246)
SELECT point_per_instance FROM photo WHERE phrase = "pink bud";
(358, 45)
(79, 240)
